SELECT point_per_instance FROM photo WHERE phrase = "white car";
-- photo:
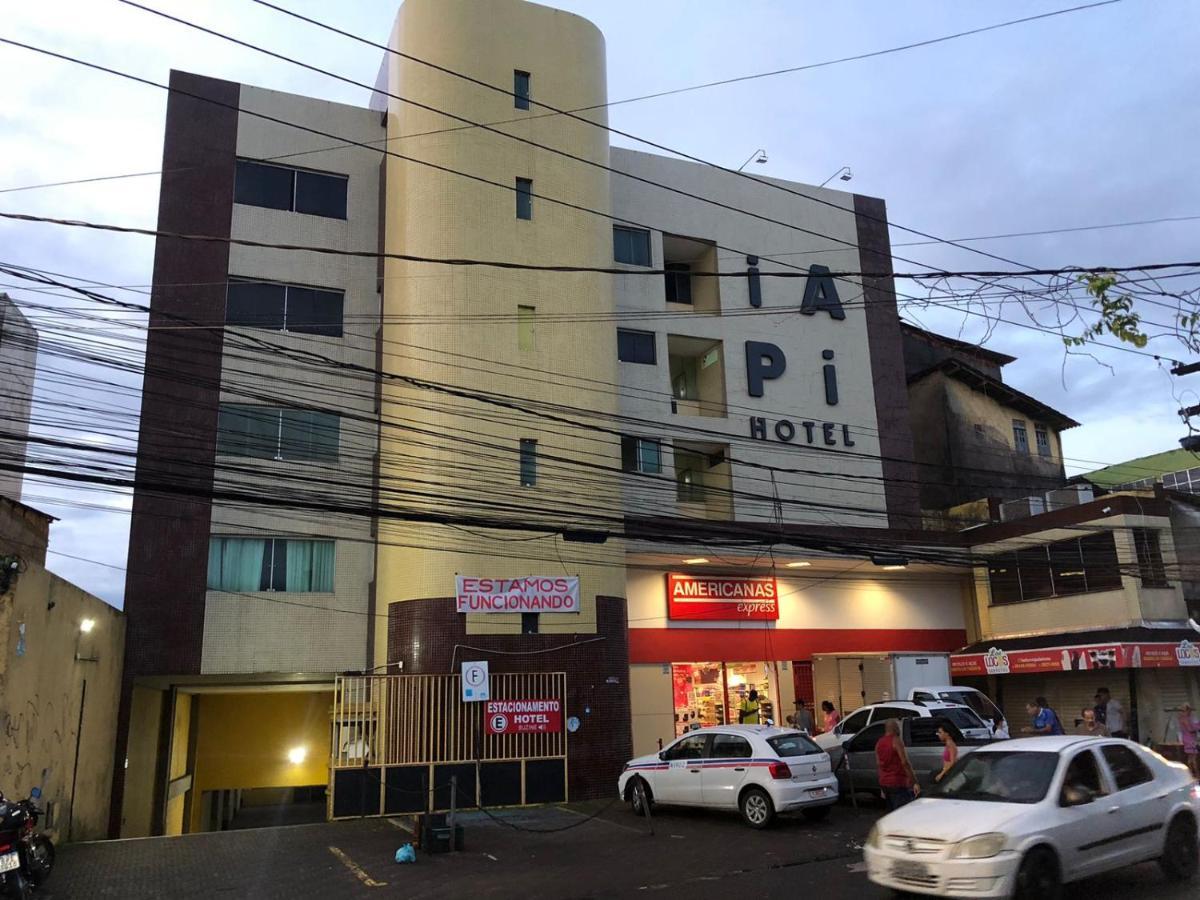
(760, 770)
(1019, 818)
(980, 702)
(968, 723)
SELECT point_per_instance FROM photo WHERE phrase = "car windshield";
(971, 699)
(961, 717)
(999, 777)
(795, 744)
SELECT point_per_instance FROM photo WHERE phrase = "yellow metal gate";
(400, 741)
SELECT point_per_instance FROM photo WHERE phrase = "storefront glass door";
(711, 693)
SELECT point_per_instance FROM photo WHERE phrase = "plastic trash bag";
(406, 854)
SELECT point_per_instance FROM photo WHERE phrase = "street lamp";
(758, 156)
(844, 173)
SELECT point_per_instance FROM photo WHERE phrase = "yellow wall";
(970, 405)
(439, 214)
(145, 719)
(178, 767)
(242, 741)
(653, 706)
(41, 689)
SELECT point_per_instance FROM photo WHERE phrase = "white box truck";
(851, 680)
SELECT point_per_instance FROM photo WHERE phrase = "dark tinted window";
(321, 195)
(1149, 557)
(1034, 565)
(635, 346)
(520, 89)
(1076, 566)
(923, 732)
(856, 722)
(255, 304)
(308, 434)
(1083, 772)
(962, 718)
(679, 283)
(793, 745)
(1066, 567)
(631, 245)
(248, 431)
(1003, 578)
(524, 198)
(313, 311)
(691, 747)
(883, 713)
(256, 184)
(1127, 769)
(866, 739)
(528, 462)
(1100, 566)
(729, 746)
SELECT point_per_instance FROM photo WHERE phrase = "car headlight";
(874, 838)
(982, 846)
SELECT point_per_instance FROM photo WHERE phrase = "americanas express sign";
(531, 594)
(720, 598)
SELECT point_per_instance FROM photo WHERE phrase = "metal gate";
(397, 742)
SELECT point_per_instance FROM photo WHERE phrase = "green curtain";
(322, 570)
(235, 564)
(309, 566)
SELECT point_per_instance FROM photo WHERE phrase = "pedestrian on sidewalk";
(1045, 720)
(1088, 726)
(803, 720)
(949, 751)
(897, 779)
(748, 711)
(1189, 735)
(1114, 713)
(831, 715)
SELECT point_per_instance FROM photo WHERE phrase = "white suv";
(964, 718)
(760, 770)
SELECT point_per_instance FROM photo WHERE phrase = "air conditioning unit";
(1073, 495)
(1022, 509)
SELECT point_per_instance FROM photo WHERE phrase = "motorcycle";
(26, 855)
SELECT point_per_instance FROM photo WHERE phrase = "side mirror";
(662, 754)
(1074, 795)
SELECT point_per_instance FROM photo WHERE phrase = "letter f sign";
(764, 362)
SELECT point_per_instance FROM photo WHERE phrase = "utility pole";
(1192, 440)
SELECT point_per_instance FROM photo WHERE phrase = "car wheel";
(639, 798)
(1181, 857)
(816, 813)
(1038, 878)
(757, 809)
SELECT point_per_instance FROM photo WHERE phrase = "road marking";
(600, 819)
(856, 867)
(354, 868)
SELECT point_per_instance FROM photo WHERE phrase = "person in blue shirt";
(1045, 720)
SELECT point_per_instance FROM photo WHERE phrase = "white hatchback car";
(1019, 818)
(760, 770)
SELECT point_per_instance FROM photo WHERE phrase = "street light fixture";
(758, 156)
(844, 173)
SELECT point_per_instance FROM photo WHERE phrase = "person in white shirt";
(1114, 714)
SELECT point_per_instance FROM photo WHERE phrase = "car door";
(725, 769)
(681, 781)
(1142, 804)
(860, 771)
(925, 748)
(1086, 833)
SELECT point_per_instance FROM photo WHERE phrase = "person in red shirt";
(896, 776)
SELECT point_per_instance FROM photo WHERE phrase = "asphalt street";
(692, 853)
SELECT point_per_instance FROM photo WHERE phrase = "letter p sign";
(764, 362)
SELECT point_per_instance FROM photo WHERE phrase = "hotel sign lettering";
(721, 598)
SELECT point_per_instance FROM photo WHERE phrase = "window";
(631, 245)
(1077, 566)
(1083, 773)
(679, 283)
(296, 190)
(1043, 440)
(526, 339)
(864, 741)
(529, 623)
(528, 462)
(636, 347)
(284, 307)
(640, 455)
(1149, 556)
(1020, 436)
(689, 477)
(691, 747)
(786, 745)
(883, 713)
(520, 89)
(856, 722)
(272, 432)
(524, 198)
(1127, 768)
(270, 564)
(729, 746)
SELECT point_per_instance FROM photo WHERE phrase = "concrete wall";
(44, 665)
(141, 762)
(24, 531)
(18, 362)
(320, 632)
(1185, 529)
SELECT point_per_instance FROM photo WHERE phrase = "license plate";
(906, 869)
(817, 792)
(9, 861)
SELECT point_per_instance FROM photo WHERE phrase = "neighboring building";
(974, 436)
(18, 363)
(1082, 597)
(669, 439)
(60, 679)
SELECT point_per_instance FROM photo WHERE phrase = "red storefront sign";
(522, 716)
(717, 598)
(1080, 658)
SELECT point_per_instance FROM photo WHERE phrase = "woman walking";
(949, 751)
(831, 715)
(1189, 735)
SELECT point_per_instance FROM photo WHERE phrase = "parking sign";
(475, 681)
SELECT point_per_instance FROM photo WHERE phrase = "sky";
(1078, 120)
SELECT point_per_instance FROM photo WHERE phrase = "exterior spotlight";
(297, 755)
(87, 625)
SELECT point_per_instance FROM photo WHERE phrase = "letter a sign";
(475, 682)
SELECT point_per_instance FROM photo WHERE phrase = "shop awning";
(1114, 648)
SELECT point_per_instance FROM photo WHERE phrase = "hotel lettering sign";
(721, 598)
(529, 594)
